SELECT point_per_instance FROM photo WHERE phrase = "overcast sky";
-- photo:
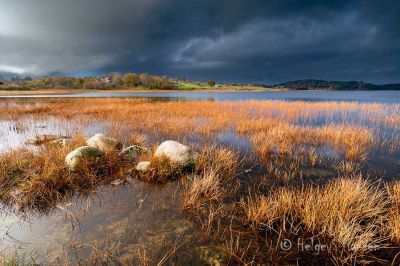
(256, 41)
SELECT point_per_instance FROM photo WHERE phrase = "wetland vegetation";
(271, 182)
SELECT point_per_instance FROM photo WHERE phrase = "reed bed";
(38, 180)
(354, 226)
(351, 129)
(217, 169)
(247, 200)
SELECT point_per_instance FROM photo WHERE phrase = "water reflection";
(16, 134)
(135, 215)
(315, 96)
(130, 214)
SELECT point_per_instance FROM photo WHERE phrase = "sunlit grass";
(39, 179)
(348, 213)
(248, 212)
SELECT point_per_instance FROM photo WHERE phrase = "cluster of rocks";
(177, 153)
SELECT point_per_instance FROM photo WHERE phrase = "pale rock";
(82, 155)
(143, 166)
(177, 153)
(104, 143)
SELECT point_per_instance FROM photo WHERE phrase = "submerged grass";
(246, 214)
(16, 259)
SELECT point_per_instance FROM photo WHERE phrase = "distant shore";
(79, 91)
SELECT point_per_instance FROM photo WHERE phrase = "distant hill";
(313, 84)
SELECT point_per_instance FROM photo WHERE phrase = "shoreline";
(80, 91)
(39, 92)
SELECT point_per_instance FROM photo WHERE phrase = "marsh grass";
(39, 178)
(347, 168)
(393, 228)
(221, 160)
(160, 171)
(138, 139)
(349, 213)
(201, 189)
(352, 130)
(246, 218)
(214, 179)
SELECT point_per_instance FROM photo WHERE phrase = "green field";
(183, 86)
(192, 86)
(204, 85)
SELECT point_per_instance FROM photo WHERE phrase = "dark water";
(133, 215)
(130, 216)
(357, 96)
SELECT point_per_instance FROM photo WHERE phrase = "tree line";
(109, 81)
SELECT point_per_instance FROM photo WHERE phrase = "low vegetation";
(106, 82)
(302, 173)
(352, 222)
(214, 180)
(40, 179)
(111, 81)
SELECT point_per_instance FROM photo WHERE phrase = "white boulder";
(177, 153)
(104, 143)
(82, 155)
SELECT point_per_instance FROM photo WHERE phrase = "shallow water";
(16, 134)
(356, 96)
(131, 216)
(134, 216)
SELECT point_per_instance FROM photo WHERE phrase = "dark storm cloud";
(245, 41)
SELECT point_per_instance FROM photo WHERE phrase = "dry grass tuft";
(393, 228)
(39, 179)
(138, 139)
(160, 171)
(282, 168)
(222, 161)
(288, 137)
(202, 189)
(349, 212)
(216, 180)
(347, 168)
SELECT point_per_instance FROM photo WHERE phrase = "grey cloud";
(238, 41)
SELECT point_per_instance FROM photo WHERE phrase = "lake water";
(134, 216)
(357, 96)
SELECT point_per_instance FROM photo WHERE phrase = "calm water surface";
(358, 96)
(134, 215)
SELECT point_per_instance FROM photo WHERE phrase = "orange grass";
(359, 215)
(160, 171)
(347, 213)
(40, 179)
(214, 180)
(271, 126)
(393, 228)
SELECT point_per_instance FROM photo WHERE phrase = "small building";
(107, 80)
